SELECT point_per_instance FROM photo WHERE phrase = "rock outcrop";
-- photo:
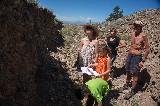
(29, 75)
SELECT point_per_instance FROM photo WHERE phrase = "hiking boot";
(126, 86)
(120, 90)
(129, 95)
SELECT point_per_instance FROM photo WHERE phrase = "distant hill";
(76, 22)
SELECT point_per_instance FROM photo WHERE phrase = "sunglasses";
(89, 28)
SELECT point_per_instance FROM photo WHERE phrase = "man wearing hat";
(135, 59)
(88, 51)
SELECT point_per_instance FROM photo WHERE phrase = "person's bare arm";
(132, 38)
(132, 41)
(96, 50)
(121, 44)
(146, 44)
(80, 45)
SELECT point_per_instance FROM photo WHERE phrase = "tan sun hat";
(95, 29)
(138, 23)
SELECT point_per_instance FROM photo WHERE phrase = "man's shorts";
(132, 63)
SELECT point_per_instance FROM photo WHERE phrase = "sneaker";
(120, 90)
(126, 86)
(129, 95)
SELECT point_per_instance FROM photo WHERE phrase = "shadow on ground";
(54, 86)
(111, 97)
(118, 71)
(144, 79)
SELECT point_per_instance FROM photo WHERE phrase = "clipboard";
(89, 71)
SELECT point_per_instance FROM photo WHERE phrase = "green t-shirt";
(98, 88)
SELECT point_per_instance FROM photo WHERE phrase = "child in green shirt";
(94, 89)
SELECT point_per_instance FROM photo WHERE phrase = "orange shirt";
(102, 62)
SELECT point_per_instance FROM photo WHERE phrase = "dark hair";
(105, 48)
(113, 30)
(79, 94)
(89, 28)
(137, 25)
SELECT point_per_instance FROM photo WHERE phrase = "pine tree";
(116, 14)
(90, 21)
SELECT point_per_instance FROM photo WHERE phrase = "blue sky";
(95, 10)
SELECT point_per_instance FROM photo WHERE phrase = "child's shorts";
(132, 63)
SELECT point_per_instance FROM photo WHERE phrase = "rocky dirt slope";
(148, 84)
(38, 54)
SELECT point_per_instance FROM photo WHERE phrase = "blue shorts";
(132, 63)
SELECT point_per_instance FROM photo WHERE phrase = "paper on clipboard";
(89, 71)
